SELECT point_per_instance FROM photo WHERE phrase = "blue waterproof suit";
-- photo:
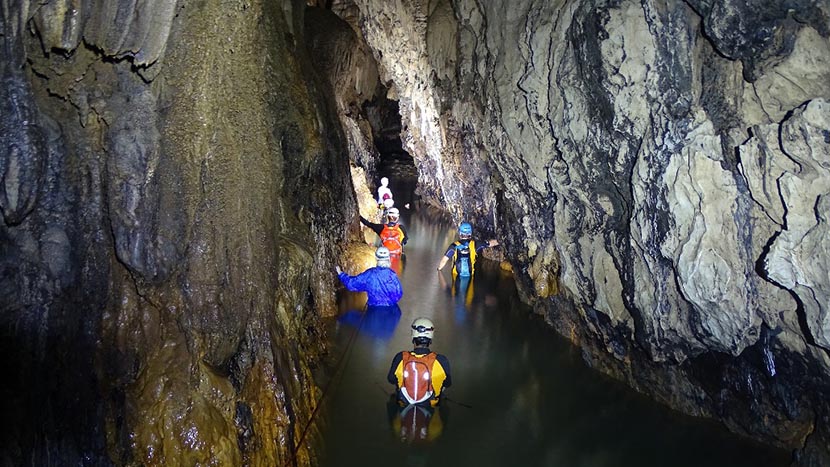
(381, 285)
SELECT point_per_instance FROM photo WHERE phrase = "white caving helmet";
(422, 327)
(393, 214)
(382, 255)
(388, 203)
(384, 181)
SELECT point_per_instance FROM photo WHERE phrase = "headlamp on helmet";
(392, 214)
(422, 328)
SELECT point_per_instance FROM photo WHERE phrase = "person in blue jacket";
(380, 283)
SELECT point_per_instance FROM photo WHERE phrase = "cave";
(393, 161)
(179, 179)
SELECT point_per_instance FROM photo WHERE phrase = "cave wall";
(174, 186)
(657, 171)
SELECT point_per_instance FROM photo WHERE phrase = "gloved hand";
(337, 268)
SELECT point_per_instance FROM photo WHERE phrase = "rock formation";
(172, 198)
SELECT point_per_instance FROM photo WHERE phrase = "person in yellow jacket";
(463, 252)
(420, 375)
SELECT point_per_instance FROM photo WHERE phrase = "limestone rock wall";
(656, 171)
(174, 188)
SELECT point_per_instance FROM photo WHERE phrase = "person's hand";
(494, 243)
(337, 268)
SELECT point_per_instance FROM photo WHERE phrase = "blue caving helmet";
(465, 230)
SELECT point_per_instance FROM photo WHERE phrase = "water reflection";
(377, 321)
(397, 263)
(415, 424)
(460, 290)
(534, 402)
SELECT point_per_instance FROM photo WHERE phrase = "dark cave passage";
(394, 161)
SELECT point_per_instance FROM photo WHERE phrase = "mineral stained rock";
(165, 260)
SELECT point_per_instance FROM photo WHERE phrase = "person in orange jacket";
(392, 234)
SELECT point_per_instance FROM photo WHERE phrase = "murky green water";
(528, 399)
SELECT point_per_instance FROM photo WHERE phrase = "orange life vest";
(416, 386)
(391, 237)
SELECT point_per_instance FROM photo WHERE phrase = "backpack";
(390, 236)
(464, 259)
(417, 377)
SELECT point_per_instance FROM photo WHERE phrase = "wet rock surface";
(174, 189)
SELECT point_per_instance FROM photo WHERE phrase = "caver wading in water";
(383, 192)
(420, 375)
(385, 199)
(388, 203)
(463, 252)
(380, 283)
(392, 234)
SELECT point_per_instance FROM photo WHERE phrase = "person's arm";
(378, 228)
(488, 244)
(356, 283)
(447, 256)
(445, 362)
(405, 237)
(391, 376)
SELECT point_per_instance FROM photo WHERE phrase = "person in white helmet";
(383, 189)
(420, 375)
(392, 234)
(380, 283)
(388, 203)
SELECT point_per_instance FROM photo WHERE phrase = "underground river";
(521, 396)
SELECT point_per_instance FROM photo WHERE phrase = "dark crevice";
(383, 114)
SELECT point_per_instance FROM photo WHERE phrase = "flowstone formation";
(658, 174)
(174, 188)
